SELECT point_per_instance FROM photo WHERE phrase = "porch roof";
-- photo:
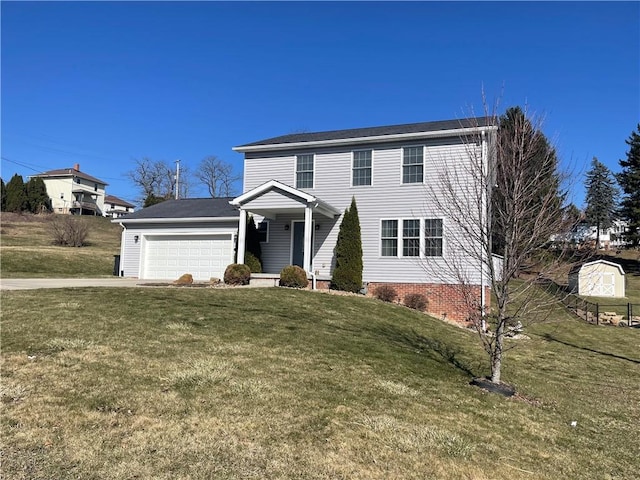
(304, 200)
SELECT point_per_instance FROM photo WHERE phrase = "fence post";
(597, 314)
(629, 313)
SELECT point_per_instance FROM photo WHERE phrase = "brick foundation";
(445, 301)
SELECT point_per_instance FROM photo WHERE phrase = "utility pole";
(177, 179)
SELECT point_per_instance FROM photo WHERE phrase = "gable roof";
(383, 133)
(69, 172)
(117, 201)
(577, 268)
(185, 209)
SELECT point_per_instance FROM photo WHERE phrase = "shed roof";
(577, 268)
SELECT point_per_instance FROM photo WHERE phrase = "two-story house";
(73, 191)
(115, 207)
(299, 185)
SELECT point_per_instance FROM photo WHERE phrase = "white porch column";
(242, 233)
(308, 225)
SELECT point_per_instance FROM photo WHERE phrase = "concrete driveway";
(36, 283)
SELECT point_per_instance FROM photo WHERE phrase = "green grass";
(277, 383)
(26, 248)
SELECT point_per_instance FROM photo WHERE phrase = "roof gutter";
(371, 139)
(124, 220)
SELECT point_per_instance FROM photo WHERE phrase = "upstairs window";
(361, 168)
(76, 179)
(433, 237)
(389, 236)
(95, 187)
(412, 164)
(304, 171)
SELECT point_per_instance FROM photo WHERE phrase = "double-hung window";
(411, 238)
(304, 171)
(389, 235)
(361, 168)
(412, 164)
(433, 237)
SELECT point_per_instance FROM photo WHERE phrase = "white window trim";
(268, 223)
(397, 255)
(295, 171)
(424, 155)
(400, 238)
(352, 167)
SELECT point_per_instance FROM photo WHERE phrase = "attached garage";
(203, 256)
(599, 278)
(167, 240)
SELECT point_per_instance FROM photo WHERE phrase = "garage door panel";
(168, 257)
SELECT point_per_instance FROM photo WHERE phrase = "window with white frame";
(361, 167)
(304, 171)
(413, 234)
(412, 164)
(433, 236)
(389, 238)
(263, 231)
(411, 238)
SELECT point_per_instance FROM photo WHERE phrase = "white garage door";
(203, 256)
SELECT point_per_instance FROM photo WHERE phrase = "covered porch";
(296, 220)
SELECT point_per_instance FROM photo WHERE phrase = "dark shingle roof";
(375, 131)
(187, 208)
(70, 172)
(117, 201)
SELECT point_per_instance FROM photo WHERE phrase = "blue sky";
(103, 83)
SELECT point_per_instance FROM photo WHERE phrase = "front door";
(297, 243)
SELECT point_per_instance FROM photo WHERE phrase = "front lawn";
(276, 383)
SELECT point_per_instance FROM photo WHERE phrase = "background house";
(116, 207)
(74, 192)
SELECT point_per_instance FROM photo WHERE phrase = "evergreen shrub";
(237, 274)
(252, 262)
(293, 276)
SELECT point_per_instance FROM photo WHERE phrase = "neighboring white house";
(116, 207)
(599, 278)
(611, 237)
(74, 192)
(299, 185)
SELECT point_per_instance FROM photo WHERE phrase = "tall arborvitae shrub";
(16, 195)
(347, 275)
(37, 199)
(252, 245)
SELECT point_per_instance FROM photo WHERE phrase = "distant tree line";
(18, 196)
(159, 180)
(603, 204)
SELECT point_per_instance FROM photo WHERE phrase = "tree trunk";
(496, 354)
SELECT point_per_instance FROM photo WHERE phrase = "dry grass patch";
(180, 383)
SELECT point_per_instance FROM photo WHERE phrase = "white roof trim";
(606, 262)
(124, 220)
(317, 204)
(265, 187)
(369, 139)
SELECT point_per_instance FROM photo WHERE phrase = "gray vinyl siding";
(385, 198)
(277, 198)
(130, 261)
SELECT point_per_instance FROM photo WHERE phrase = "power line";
(30, 167)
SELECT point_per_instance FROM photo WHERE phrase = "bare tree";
(217, 175)
(158, 178)
(503, 184)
